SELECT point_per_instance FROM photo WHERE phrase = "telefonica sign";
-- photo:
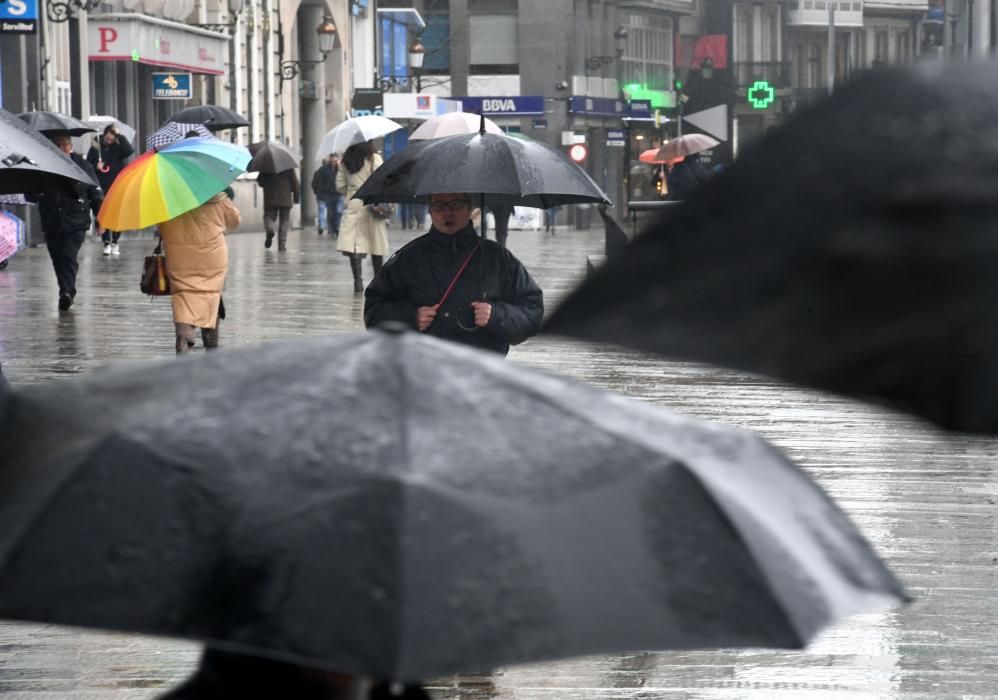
(18, 16)
(517, 105)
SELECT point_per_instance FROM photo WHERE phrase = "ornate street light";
(61, 10)
(593, 63)
(416, 53)
(327, 40)
(235, 9)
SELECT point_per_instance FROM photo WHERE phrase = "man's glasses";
(453, 205)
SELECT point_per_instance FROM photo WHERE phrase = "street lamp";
(235, 9)
(327, 39)
(416, 52)
(594, 63)
(61, 10)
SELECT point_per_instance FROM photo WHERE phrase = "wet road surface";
(926, 500)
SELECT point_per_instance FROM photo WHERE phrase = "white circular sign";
(578, 152)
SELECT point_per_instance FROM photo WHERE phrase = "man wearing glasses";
(452, 284)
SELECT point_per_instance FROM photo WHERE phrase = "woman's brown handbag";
(154, 280)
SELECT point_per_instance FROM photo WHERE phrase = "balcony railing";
(814, 13)
(776, 73)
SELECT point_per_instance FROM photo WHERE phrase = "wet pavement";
(926, 500)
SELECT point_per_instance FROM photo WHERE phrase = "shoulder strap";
(460, 272)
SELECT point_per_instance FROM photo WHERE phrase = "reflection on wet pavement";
(925, 499)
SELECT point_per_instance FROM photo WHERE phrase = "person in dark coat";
(324, 187)
(65, 222)
(685, 176)
(224, 675)
(281, 191)
(501, 214)
(108, 157)
(492, 304)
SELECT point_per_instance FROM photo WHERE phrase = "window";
(436, 40)
(648, 58)
(493, 36)
(903, 47)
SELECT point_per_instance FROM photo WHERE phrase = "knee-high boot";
(377, 261)
(358, 273)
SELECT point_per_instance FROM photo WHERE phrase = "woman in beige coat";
(196, 261)
(361, 233)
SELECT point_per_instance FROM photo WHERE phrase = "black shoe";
(270, 239)
(319, 232)
(65, 301)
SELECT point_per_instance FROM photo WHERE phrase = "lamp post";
(416, 53)
(593, 63)
(61, 10)
(235, 9)
(327, 40)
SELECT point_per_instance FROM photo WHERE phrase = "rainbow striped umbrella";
(161, 185)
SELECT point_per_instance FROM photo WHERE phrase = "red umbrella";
(652, 156)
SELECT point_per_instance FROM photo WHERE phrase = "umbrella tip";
(481, 125)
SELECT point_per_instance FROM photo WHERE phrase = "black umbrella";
(55, 123)
(272, 157)
(414, 509)
(214, 117)
(30, 163)
(852, 249)
(504, 169)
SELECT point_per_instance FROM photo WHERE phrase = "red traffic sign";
(578, 152)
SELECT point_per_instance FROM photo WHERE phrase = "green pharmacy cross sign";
(761, 94)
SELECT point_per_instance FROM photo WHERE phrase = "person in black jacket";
(65, 222)
(685, 176)
(324, 187)
(108, 157)
(452, 284)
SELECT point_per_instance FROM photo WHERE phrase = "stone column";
(312, 81)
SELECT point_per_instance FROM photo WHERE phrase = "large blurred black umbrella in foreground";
(30, 163)
(502, 169)
(414, 509)
(853, 249)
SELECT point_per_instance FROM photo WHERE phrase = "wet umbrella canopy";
(862, 261)
(272, 157)
(50, 123)
(508, 170)
(30, 163)
(219, 499)
(214, 117)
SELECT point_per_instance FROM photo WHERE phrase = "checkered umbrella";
(171, 132)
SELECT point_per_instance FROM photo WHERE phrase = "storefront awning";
(156, 42)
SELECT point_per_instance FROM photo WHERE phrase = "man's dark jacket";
(280, 190)
(324, 182)
(419, 274)
(114, 156)
(62, 213)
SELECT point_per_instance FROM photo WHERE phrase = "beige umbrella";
(453, 124)
(687, 145)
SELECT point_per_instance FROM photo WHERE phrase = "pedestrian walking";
(197, 260)
(107, 157)
(550, 219)
(361, 232)
(281, 191)
(65, 222)
(501, 214)
(452, 284)
(324, 187)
